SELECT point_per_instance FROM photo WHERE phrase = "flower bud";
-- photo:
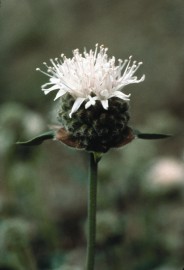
(95, 129)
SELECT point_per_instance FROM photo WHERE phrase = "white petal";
(130, 80)
(88, 104)
(92, 101)
(121, 95)
(105, 104)
(46, 91)
(104, 93)
(60, 93)
(76, 105)
(54, 80)
(141, 79)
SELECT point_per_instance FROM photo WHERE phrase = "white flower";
(90, 76)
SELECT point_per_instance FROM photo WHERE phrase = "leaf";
(39, 139)
(151, 136)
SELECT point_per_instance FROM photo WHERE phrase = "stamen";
(45, 73)
(45, 64)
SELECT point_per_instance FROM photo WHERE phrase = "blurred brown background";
(43, 190)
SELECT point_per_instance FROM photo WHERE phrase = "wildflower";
(90, 77)
(94, 116)
(94, 110)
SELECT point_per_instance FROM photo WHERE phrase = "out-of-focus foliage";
(43, 190)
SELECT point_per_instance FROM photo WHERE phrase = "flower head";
(90, 76)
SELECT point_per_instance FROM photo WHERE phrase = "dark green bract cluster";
(95, 128)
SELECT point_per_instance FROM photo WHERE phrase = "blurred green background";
(43, 190)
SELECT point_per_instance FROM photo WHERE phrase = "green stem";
(91, 233)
